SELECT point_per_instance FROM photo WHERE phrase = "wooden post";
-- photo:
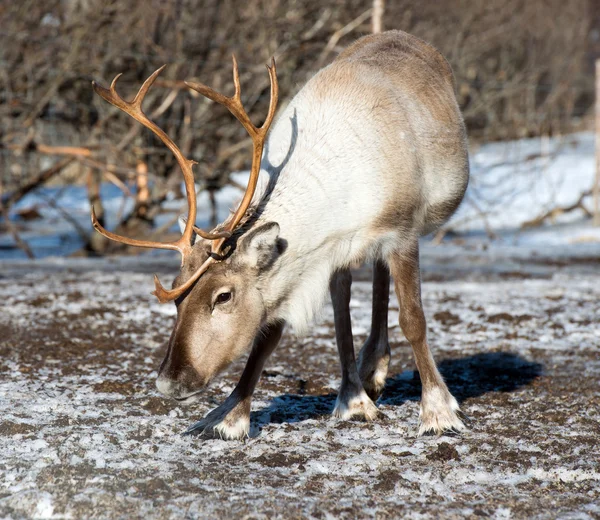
(93, 186)
(143, 194)
(596, 188)
(378, 7)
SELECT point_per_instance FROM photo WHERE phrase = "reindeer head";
(219, 312)
(220, 316)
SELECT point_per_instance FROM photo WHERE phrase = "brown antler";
(258, 135)
(134, 109)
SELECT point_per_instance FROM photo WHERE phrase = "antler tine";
(274, 95)
(112, 96)
(258, 142)
(233, 103)
(174, 246)
(165, 295)
(236, 80)
(139, 97)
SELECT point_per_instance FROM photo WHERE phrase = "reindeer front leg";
(231, 420)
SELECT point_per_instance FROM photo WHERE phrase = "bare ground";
(84, 434)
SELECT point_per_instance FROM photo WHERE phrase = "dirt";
(444, 453)
(84, 434)
(446, 318)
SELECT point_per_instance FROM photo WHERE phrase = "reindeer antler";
(258, 135)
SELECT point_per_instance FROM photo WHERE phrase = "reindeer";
(370, 155)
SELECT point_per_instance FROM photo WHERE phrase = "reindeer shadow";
(467, 377)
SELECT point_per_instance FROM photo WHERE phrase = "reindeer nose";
(165, 386)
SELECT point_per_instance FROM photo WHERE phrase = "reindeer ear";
(182, 220)
(261, 246)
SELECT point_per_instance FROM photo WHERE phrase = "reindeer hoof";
(208, 429)
(373, 389)
(440, 414)
(358, 406)
(230, 421)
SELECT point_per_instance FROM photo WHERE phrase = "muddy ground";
(84, 434)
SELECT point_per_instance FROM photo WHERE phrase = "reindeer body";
(369, 155)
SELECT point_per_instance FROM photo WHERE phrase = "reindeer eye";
(224, 297)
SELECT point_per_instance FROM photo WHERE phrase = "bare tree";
(520, 69)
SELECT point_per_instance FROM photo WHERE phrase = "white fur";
(439, 412)
(378, 380)
(358, 406)
(311, 197)
(237, 431)
(222, 423)
(328, 169)
(164, 385)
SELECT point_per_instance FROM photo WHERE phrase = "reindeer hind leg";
(352, 400)
(375, 355)
(439, 409)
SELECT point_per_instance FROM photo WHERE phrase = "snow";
(83, 429)
(515, 181)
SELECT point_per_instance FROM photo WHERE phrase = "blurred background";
(525, 80)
